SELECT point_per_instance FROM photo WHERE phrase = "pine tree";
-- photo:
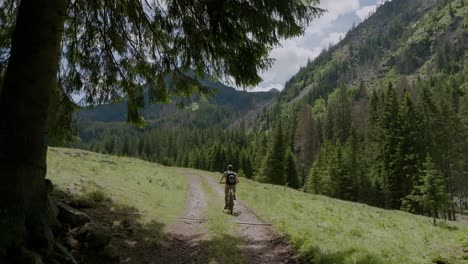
(460, 182)
(352, 165)
(305, 140)
(274, 167)
(324, 174)
(433, 197)
(391, 175)
(292, 175)
(410, 154)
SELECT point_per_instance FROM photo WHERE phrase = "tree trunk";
(462, 204)
(29, 79)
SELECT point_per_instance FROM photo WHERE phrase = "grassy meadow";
(321, 229)
(158, 192)
(325, 230)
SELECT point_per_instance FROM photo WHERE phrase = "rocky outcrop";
(71, 216)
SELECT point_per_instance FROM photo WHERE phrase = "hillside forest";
(380, 118)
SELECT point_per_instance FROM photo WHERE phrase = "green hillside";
(321, 229)
(376, 115)
(402, 38)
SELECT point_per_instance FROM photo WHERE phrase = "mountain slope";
(403, 37)
(374, 117)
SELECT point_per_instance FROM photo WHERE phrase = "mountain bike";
(230, 201)
(230, 204)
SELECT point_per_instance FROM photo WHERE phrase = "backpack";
(231, 178)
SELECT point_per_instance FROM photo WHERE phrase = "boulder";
(111, 254)
(69, 215)
(94, 236)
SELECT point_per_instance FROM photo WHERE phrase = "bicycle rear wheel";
(231, 203)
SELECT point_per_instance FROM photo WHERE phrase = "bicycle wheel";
(231, 203)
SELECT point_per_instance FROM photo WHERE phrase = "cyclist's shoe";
(234, 197)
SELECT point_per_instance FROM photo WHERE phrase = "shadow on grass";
(236, 213)
(316, 255)
(148, 243)
(447, 226)
(223, 249)
(132, 241)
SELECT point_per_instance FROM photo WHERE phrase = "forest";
(384, 125)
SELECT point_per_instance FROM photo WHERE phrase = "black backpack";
(231, 178)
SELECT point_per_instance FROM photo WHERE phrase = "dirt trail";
(187, 234)
(261, 243)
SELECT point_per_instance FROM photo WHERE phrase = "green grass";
(156, 191)
(327, 230)
(223, 245)
(322, 229)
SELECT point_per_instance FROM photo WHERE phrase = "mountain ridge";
(225, 98)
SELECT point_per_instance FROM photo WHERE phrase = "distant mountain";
(227, 104)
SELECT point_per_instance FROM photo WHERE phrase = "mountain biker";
(231, 180)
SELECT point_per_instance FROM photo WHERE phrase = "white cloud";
(267, 88)
(364, 12)
(334, 9)
(332, 38)
(327, 29)
(288, 60)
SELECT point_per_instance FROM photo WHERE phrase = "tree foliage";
(113, 49)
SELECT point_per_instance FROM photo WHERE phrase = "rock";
(69, 215)
(82, 203)
(63, 255)
(94, 236)
(67, 237)
(127, 225)
(111, 254)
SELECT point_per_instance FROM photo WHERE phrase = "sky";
(329, 28)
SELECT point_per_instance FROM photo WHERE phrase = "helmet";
(230, 167)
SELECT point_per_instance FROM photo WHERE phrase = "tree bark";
(29, 79)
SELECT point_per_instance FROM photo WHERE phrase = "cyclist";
(231, 180)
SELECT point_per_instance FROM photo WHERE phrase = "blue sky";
(329, 28)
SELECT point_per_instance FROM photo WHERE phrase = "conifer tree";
(292, 175)
(434, 197)
(410, 155)
(274, 167)
(106, 49)
(391, 175)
